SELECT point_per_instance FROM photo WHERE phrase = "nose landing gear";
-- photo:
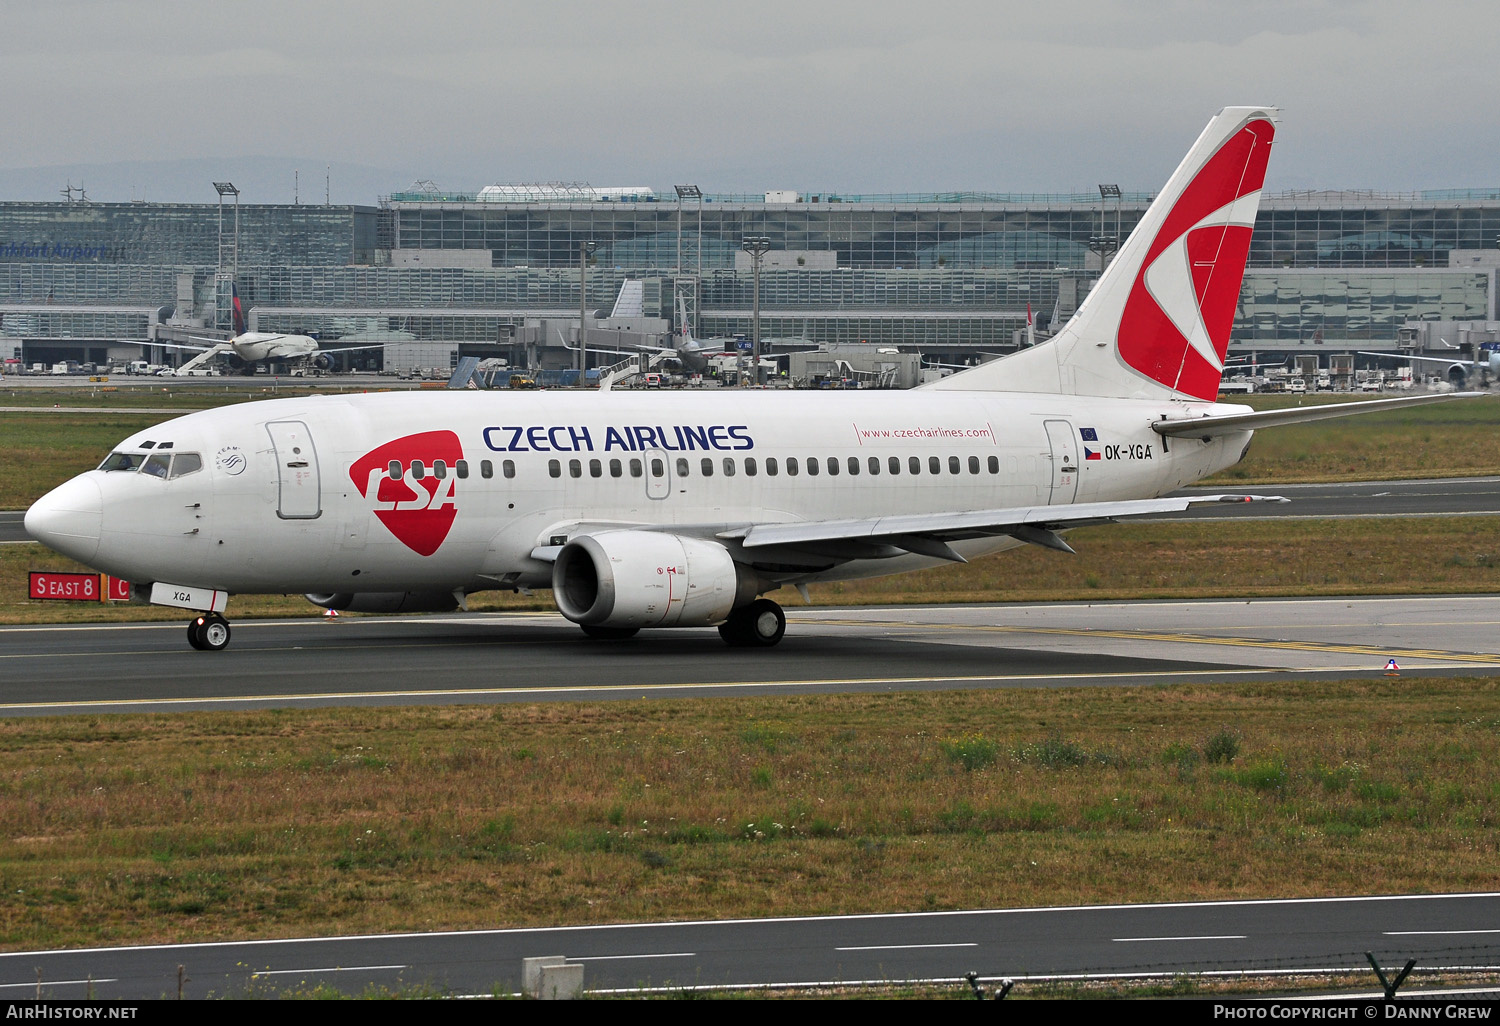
(209, 632)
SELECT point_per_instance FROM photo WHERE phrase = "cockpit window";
(156, 465)
(186, 463)
(122, 461)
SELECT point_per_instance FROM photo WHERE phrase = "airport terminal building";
(952, 275)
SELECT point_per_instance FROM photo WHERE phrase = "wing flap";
(1034, 524)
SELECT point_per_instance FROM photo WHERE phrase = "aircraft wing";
(179, 345)
(929, 534)
(1445, 360)
(350, 349)
(1211, 425)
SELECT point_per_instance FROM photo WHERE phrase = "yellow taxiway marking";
(1076, 679)
(1481, 658)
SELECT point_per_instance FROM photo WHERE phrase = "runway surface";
(1023, 944)
(528, 657)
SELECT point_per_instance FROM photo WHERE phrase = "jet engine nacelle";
(388, 602)
(646, 579)
(323, 361)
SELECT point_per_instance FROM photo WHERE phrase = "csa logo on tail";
(1175, 325)
(419, 512)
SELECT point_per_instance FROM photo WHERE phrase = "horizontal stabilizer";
(1212, 425)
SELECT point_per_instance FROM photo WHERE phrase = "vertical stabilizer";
(1157, 322)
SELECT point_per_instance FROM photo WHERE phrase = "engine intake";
(647, 579)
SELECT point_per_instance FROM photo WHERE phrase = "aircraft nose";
(68, 518)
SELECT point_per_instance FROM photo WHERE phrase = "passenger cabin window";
(658, 467)
(953, 465)
(616, 469)
(812, 466)
(596, 468)
(994, 464)
(973, 464)
(185, 463)
(157, 465)
(507, 467)
(461, 468)
(914, 464)
(895, 464)
(854, 464)
(791, 466)
(486, 469)
(682, 466)
(554, 468)
(417, 470)
(707, 464)
(833, 466)
(575, 468)
(636, 470)
(874, 464)
(750, 470)
(439, 469)
(934, 465)
(728, 466)
(771, 470)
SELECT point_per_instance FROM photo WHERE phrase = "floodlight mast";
(223, 304)
(585, 250)
(757, 246)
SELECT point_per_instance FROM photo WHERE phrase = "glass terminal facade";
(947, 272)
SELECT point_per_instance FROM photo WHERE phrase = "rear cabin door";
(1064, 446)
(296, 470)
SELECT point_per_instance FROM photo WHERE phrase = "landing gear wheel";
(609, 633)
(761, 624)
(209, 633)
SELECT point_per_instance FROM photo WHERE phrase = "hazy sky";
(871, 96)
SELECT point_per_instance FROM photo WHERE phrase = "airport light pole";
(585, 250)
(757, 246)
(1104, 244)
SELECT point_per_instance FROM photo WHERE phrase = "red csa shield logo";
(1175, 325)
(418, 512)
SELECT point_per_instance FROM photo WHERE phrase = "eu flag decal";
(1088, 434)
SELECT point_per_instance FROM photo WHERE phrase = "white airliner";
(248, 348)
(685, 509)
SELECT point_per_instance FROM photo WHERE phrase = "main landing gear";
(761, 624)
(209, 632)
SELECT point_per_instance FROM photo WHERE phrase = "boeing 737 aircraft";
(686, 509)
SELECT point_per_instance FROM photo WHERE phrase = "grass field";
(119, 829)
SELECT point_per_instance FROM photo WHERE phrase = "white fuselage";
(296, 495)
(254, 346)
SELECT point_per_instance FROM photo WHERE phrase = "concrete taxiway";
(528, 657)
